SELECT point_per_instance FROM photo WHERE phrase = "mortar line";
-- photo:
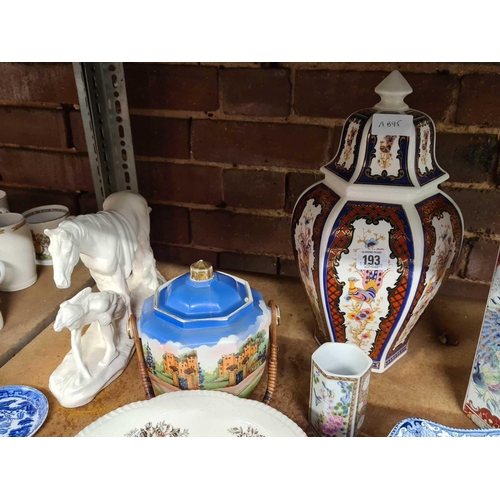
(225, 166)
(221, 250)
(263, 212)
(43, 149)
(459, 69)
(294, 119)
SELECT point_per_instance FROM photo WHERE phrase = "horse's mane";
(82, 223)
(107, 234)
(86, 224)
(70, 226)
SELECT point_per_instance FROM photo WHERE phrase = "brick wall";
(223, 150)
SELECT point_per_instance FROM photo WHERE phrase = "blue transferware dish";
(419, 427)
(205, 330)
(23, 410)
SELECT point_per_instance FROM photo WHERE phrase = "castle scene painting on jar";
(233, 363)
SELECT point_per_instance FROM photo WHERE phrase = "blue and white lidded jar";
(205, 330)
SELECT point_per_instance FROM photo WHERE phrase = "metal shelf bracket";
(103, 103)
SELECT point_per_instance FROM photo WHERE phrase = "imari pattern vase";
(376, 238)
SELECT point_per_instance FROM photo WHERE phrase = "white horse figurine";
(84, 308)
(113, 244)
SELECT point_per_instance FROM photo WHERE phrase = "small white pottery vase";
(39, 219)
(2, 276)
(340, 376)
(16, 252)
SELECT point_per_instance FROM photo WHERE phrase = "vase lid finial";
(392, 91)
(201, 271)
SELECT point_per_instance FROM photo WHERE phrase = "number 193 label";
(372, 259)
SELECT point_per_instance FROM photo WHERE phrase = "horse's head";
(67, 316)
(65, 254)
(72, 310)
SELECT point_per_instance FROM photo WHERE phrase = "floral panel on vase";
(482, 401)
(332, 411)
(307, 225)
(365, 300)
(442, 235)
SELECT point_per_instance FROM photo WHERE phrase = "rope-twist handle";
(272, 364)
(146, 381)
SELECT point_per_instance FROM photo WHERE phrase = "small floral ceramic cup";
(39, 219)
(340, 376)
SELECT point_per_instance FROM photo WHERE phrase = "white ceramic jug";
(16, 252)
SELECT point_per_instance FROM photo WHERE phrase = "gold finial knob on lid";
(201, 271)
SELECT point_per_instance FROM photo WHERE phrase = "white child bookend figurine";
(79, 377)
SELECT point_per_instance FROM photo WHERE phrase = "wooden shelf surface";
(27, 312)
(430, 381)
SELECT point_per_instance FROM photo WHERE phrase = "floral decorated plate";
(22, 410)
(194, 414)
(418, 427)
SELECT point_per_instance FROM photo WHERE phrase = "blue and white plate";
(419, 427)
(23, 410)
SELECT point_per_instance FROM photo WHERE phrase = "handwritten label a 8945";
(392, 124)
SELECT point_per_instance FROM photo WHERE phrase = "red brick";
(479, 209)
(288, 267)
(256, 92)
(281, 145)
(265, 264)
(467, 157)
(183, 255)
(482, 260)
(77, 131)
(21, 200)
(296, 184)
(335, 134)
(254, 188)
(32, 127)
(180, 183)
(337, 94)
(241, 232)
(161, 86)
(169, 224)
(69, 172)
(87, 204)
(479, 100)
(38, 82)
(432, 93)
(163, 137)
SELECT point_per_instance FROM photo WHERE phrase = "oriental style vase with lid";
(206, 330)
(375, 239)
